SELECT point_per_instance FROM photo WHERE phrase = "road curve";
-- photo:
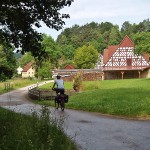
(89, 130)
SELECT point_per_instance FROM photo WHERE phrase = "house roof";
(69, 67)
(126, 42)
(109, 52)
(27, 67)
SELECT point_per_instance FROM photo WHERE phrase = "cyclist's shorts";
(61, 91)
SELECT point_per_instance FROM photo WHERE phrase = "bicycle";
(60, 98)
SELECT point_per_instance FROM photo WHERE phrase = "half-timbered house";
(121, 62)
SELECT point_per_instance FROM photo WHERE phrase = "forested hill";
(100, 35)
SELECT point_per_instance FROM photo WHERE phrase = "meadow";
(17, 83)
(127, 98)
(22, 132)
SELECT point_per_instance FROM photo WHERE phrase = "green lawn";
(68, 85)
(21, 132)
(17, 83)
(129, 98)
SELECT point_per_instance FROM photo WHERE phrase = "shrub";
(77, 84)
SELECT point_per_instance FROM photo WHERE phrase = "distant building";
(19, 70)
(121, 62)
(69, 67)
(28, 71)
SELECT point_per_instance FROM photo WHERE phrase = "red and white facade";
(120, 61)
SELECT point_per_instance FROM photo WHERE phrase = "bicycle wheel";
(62, 104)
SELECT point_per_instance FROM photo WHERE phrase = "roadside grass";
(68, 85)
(22, 132)
(129, 98)
(17, 83)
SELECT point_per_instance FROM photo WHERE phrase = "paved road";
(91, 131)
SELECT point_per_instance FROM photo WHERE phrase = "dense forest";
(101, 35)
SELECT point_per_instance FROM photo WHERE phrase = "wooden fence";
(8, 85)
(35, 93)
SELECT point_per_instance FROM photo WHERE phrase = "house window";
(119, 59)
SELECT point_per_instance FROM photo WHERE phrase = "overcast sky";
(115, 11)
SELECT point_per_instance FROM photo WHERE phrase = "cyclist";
(60, 85)
(59, 90)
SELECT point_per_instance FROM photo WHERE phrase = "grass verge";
(17, 83)
(21, 132)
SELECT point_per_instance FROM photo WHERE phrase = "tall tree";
(44, 70)
(142, 42)
(26, 58)
(126, 29)
(51, 49)
(7, 62)
(114, 36)
(85, 57)
(17, 18)
(68, 52)
(105, 26)
(50, 58)
(143, 26)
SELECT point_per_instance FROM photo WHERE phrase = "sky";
(115, 11)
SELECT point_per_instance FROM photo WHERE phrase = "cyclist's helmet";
(58, 76)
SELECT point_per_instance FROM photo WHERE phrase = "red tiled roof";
(109, 52)
(126, 42)
(27, 67)
(69, 67)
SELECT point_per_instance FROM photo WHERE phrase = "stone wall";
(92, 76)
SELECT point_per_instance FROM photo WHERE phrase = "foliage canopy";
(7, 63)
(17, 18)
(85, 57)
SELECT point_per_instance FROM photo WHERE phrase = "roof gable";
(126, 42)
(69, 67)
